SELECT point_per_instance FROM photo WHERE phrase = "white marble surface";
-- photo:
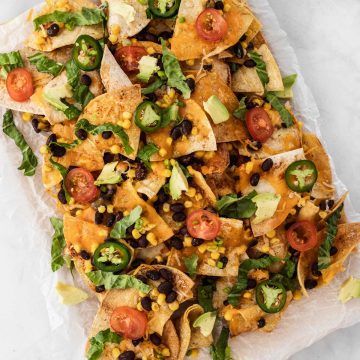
(325, 36)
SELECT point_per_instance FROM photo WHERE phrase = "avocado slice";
(206, 323)
(267, 204)
(57, 91)
(109, 175)
(178, 182)
(70, 295)
(216, 109)
(350, 289)
(147, 67)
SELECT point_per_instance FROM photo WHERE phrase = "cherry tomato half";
(203, 224)
(19, 84)
(128, 57)
(259, 124)
(80, 185)
(210, 25)
(302, 235)
(129, 322)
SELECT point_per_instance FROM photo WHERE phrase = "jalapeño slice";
(148, 116)
(87, 53)
(301, 175)
(111, 257)
(270, 296)
(170, 9)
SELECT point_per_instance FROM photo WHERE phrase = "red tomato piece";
(128, 57)
(259, 124)
(302, 235)
(19, 84)
(203, 224)
(129, 322)
(80, 185)
(211, 25)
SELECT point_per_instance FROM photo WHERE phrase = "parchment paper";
(304, 322)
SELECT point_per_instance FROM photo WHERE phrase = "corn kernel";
(297, 295)
(126, 124)
(265, 249)
(110, 209)
(293, 211)
(139, 307)
(198, 197)
(161, 299)
(94, 247)
(187, 241)
(188, 204)
(134, 41)
(202, 248)
(136, 234)
(78, 212)
(40, 40)
(71, 201)
(77, 248)
(159, 258)
(131, 173)
(126, 213)
(166, 207)
(151, 238)
(249, 167)
(209, 155)
(43, 149)
(154, 293)
(271, 234)
(166, 173)
(115, 353)
(228, 315)
(194, 131)
(222, 250)
(88, 266)
(227, 7)
(101, 209)
(215, 255)
(190, 62)
(26, 116)
(103, 233)
(301, 202)
(155, 306)
(162, 152)
(195, 353)
(115, 29)
(174, 306)
(211, 262)
(115, 149)
(244, 44)
(199, 154)
(127, 115)
(169, 141)
(150, 50)
(165, 352)
(247, 295)
(267, 106)
(113, 38)
(172, 93)
(274, 241)
(142, 294)
(323, 214)
(191, 192)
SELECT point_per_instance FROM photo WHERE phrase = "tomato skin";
(203, 224)
(128, 57)
(307, 230)
(129, 322)
(80, 185)
(19, 84)
(259, 124)
(210, 25)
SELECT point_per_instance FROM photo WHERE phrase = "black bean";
(288, 225)
(165, 35)
(333, 250)
(127, 355)
(243, 38)
(155, 339)
(165, 287)
(219, 5)
(108, 157)
(254, 146)
(177, 207)
(179, 216)
(35, 125)
(100, 288)
(250, 47)
(267, 164)
(211, 209)
(57, 150)
(244, 159)
(99, 218)
(85, 255)
(207, 67)
(150, 37)
(251, 284)
(136, 263)
(171, 297)
(250, 63)
(224, 260)
(186, 127)
(176, 132)
(130, 229)
(51, 139)
(191, 83)
(53, 29)
(140, 172)
(61, 196)
(261, 323)
(153, 275)
(134, 243)
(108, 194)
(85, 80)
(162, 196)
(136, 342)
(166, 274)
(146, 303)
(106, 135)
(143, 242)
(110, 239)
(250, 105)
(196, 242)
(254, 179)
(142, 278)
(330, 203)
(315, 269)
(176, 243)
(322, 205)
(81, 134)
(310, 284)
(238, 50)
(152, 97)
(253, 243)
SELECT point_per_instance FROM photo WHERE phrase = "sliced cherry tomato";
(203, 224)
(210, 25)
(80, 185)
(259, 124)
(128, 57)
(129, 322)
(19, 84)
(302, 235)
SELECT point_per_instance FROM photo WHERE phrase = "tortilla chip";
(65, 36)
(171, 340)
(221, 184)
(253, 30)
(126, 199)
(201, 183)
(218, 163)
(140, 21)
(204, 140)
(314, 150)
(112, 76)
(186, 44)
(108, 108)
(232, 129)
(246, 80)
(346, 240)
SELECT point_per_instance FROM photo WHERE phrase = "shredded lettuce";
(260, 67)
(221, 350)
(232, 206)
(97, 343)
(10, 61)
(119, 230)
(45, 64)
(146, 152)
(285, 114)
(240, 111)
(191, 264)
(288, 82)
(58, 244)
(63, 171)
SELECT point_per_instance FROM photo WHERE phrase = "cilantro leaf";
(221, 350)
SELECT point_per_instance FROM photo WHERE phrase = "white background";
(325, 36)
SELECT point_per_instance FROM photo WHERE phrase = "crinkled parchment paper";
(304, 322)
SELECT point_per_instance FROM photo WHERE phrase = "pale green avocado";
(54, 94)
(109, 175)
(70, 295)
(147, 67)
(350, 289)
(178, 182)
(267, 204)
(288, 82)
(121, 8)
(216, 109)
(206, 323)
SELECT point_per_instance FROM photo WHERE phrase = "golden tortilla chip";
(186, 43)
(218, 163)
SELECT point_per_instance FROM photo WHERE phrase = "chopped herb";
(205, 296)
(46, 65)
